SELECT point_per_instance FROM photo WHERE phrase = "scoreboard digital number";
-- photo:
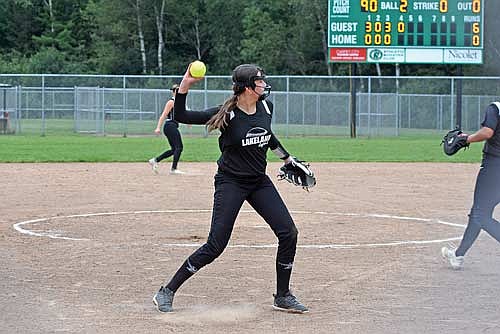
(406, 31)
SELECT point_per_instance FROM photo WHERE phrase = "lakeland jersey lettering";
(243, 142)
(256, 136)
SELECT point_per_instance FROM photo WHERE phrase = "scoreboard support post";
(459, 96)
(353, 87)
(398, 102)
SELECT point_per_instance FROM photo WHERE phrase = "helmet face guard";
(245, 76)
(267, 88)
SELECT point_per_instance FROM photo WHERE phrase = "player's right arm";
(190, 116)
(482, 134)
(488, 125)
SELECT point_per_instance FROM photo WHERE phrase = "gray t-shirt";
(492, 121)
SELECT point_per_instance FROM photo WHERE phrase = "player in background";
(244, 122)
(487, 190)
(171, 131)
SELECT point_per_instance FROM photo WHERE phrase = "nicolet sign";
(463, 56)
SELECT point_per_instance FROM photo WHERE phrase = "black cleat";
(288, 303)
(164, 299)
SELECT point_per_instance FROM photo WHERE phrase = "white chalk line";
(51, 234)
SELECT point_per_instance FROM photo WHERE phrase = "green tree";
(226, 33)
(264, 39)
(307, 45)
(114, 41)
(19, 26)
(48, 60)
(162, 36)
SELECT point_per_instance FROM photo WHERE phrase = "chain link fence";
(304, 106)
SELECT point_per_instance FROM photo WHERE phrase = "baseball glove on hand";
(454, 141)
(298, 173)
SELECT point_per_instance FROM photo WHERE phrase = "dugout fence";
(304, 105)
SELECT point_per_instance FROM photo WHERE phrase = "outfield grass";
(129, 127)
(86, 148)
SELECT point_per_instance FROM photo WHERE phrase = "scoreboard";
(406, 31)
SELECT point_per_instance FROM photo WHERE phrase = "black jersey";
(170, 116)
(243, 142)
(492, 121)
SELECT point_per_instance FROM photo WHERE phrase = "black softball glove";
(453, 141)
(298, 173)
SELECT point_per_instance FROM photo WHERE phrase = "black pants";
(171, 131)
(486, 198)
(228, 198)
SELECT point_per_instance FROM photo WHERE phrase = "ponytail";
(219, 120)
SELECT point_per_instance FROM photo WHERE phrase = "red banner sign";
(347, 54)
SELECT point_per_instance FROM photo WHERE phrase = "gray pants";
(486, 198)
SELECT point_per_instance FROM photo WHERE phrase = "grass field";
(135, 127)
(88, 148)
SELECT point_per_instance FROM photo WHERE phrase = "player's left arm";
(294, 170)
(278, 149)
(274, 143)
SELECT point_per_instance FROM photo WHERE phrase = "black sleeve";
(274, 143)
(491, 117)
(182, 115)
(277, 148)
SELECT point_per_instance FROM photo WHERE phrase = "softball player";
(487, 190)
(244, 121)
(171, 131)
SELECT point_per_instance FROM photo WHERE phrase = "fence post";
(478, 111)
(19, 108)
(140, 91)
(103, 112)
(303, 109)
(409, 113)
(397, 100)
(75, 109)
(369, 120)
(43, 105)
(124, 106)
(4, 116)
(53, 103)
(94, 94)
(205, 102)
(437, 112)
(287, 105)
(317, 113)
(440, 106)
(353, 87)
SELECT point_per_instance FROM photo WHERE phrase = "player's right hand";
(187, 81)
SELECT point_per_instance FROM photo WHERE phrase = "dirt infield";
(85, 246)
